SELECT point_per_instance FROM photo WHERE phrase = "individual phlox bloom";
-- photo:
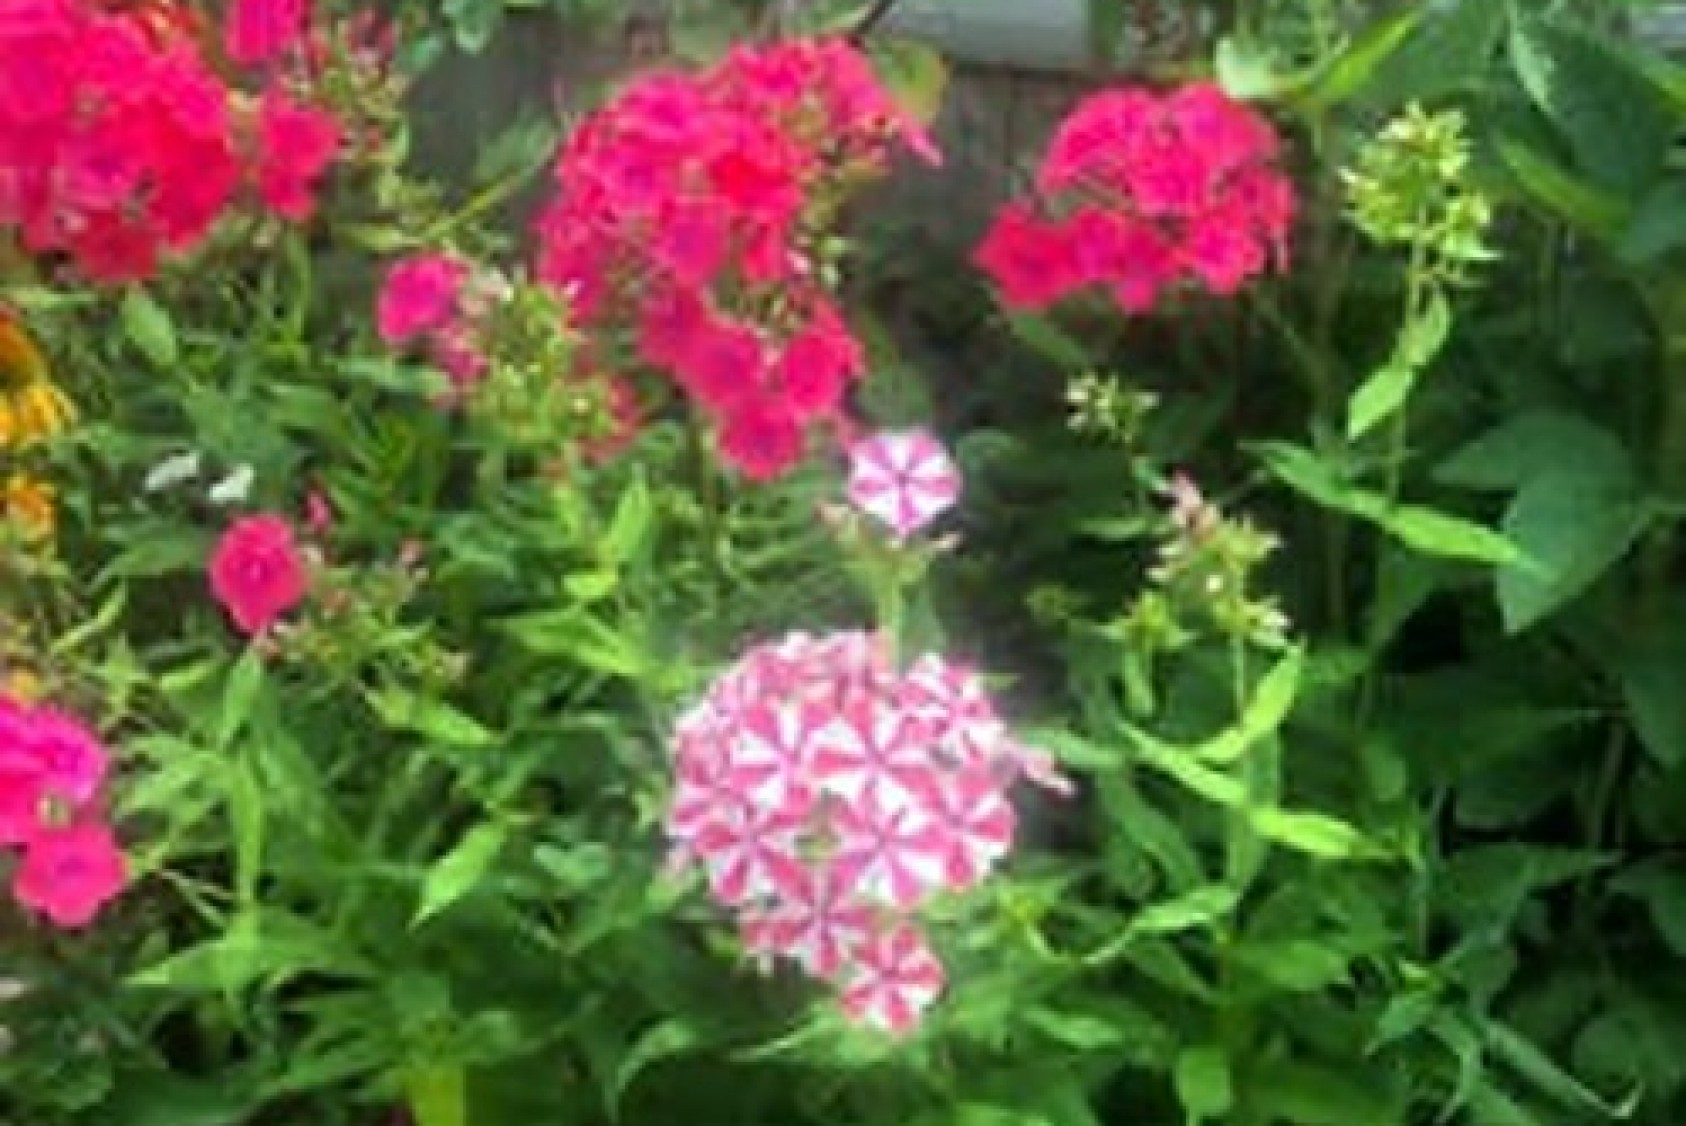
(257, 572)
(903, 479)
(261, 31)
(970, 825)
(22, 785)
(769, 754)
(419, 294)
(751, 852)
(872, 750)
(71, 760)
(893, 980)
(69, 873)
(761, 438)
(821, 925)
(890, 853)
(953, 702)
(297, 143)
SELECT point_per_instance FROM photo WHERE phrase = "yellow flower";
(29, 506)
(32, 408)
(22, 684)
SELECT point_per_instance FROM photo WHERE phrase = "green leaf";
(1074, 750)
(590, 586)
(1662, 888)
(1405, 582)
(148, 327)
(435, 720)
(1489, 883)
(1525, 1057)
(240, 695)
(1385, 392)
(1196, 908)
(1606, 109)
(1425, 530)
(1652, 669)
(1305, 472)
(1574, 519)
(258, 945)
(1047, 340)
(1347, 73)
(581, 637)
(1264, 713)
(915, 74)
(1179, 762)
(437, 1095)
(1450, 49)
(1591, 209)
(1431, 532)
(664, 1040)
(1295, 965)
(1247, 70)
(1131, 817)
(474, 23)
(1309, 1094)
(982, 1114)
(100, 623)
(148, 1098)
(155, 551)
(1658, 226)
(247, 813)
(1314, 834)
(1203, 1082)
(1082, 1032)
(1379, 397)
(629, 529)
(1527, 446)
(459, 871)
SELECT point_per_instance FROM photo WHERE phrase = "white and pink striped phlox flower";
(904, 479)
(827, 796)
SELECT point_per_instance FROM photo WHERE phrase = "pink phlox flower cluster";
(52, 776)
(423, 301)
(1140, 193)
(687, 215)
(120, 144)
(828, 795)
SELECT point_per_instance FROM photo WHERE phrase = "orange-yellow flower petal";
(30, 506)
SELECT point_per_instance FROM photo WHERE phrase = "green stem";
(1669, 449)
(1241, 846)
(1599, 805)
(487, 199)
(1417, 291)
(1416, 294)
(708, 489)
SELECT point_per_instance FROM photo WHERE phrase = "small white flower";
(234, 488)
(172, 471)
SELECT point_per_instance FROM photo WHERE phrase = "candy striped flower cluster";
(1142, 193)
(52, 774)
(828, 794)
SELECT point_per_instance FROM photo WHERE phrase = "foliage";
(415, 608)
